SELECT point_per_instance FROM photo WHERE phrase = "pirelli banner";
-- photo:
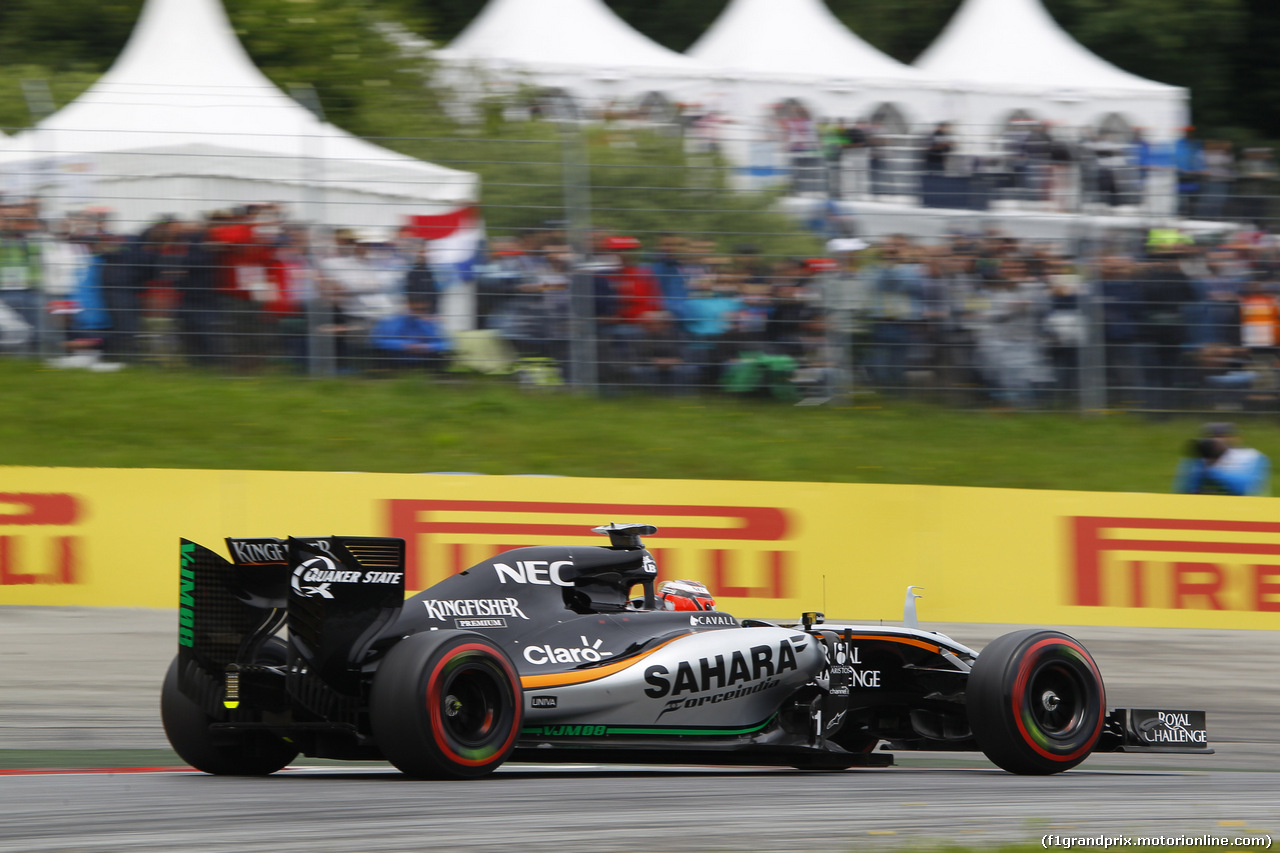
(103, 537)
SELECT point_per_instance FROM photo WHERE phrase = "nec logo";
(439, 537)
(57, 553)
(1174, 563)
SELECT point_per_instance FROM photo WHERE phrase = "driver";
(684, 595)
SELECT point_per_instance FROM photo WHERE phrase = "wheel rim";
(471, 704)
(1056, 700)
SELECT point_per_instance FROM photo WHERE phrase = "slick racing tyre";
(1035, 701)
(254, 753)
(446, 705)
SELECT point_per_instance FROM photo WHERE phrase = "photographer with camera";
(1217, 464)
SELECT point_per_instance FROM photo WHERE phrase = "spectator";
(662, 362)
(1119, 296)
(1217, 463)
(896, 291)
(1257, 185)
(1167, 298)
(1219, 172)
(21, 264)
(671, 269)
(715, 319)
(637, 290)
(1188, 159)
(1010, 347)
(206, 310)
(795, 320)
(938, 149)
(412, 338)
(1064, 324)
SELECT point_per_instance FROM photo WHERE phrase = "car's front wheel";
(1036, 702)
(446, 704)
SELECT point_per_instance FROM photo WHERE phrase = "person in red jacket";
(635, 287)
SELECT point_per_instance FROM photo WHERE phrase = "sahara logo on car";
(716, 673)
(314, 577)
(541, 572)
(588, 652)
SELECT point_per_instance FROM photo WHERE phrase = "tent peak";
(1018, 42)
(800, 37)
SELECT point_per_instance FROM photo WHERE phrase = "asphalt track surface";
(74, 678)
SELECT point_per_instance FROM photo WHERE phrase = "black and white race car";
(308, 645)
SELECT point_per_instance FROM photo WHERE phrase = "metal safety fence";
(644, 255)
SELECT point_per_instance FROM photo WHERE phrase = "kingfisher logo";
(740, 551)
(1174, 563)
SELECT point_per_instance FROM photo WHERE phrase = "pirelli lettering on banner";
(1175, 564)
(33, 548)
(711, 542)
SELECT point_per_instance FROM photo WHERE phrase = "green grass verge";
(146, 417)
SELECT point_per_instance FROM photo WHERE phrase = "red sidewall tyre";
(446, 704)
(1036, 702)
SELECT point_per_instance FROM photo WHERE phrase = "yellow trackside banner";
(104, 537)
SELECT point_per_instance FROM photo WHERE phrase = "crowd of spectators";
(1159, 324)
(1165, 323)
(233, 288)
(1030, 162)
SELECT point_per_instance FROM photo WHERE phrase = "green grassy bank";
(144, 417)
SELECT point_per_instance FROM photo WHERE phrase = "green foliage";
(65, 35)
(1192, 43)
(65, 86)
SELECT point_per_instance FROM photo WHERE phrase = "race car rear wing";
(333, 594)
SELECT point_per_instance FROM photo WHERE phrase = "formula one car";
(308, 645)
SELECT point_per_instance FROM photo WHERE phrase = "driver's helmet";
(684, 595)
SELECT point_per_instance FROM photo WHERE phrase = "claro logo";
(1175, 563)
(38, 552)
(714, 543)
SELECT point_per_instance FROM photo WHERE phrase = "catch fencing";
(651, 252)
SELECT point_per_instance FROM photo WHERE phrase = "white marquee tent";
(183, 122)
(576, 47)
(1001, 56)
(797, 49)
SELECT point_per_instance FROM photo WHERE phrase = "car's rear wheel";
(1036, 702)
(251, 753)
(446, 704)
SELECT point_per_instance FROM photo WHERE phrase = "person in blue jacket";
(1217, 463)
(413, 338)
